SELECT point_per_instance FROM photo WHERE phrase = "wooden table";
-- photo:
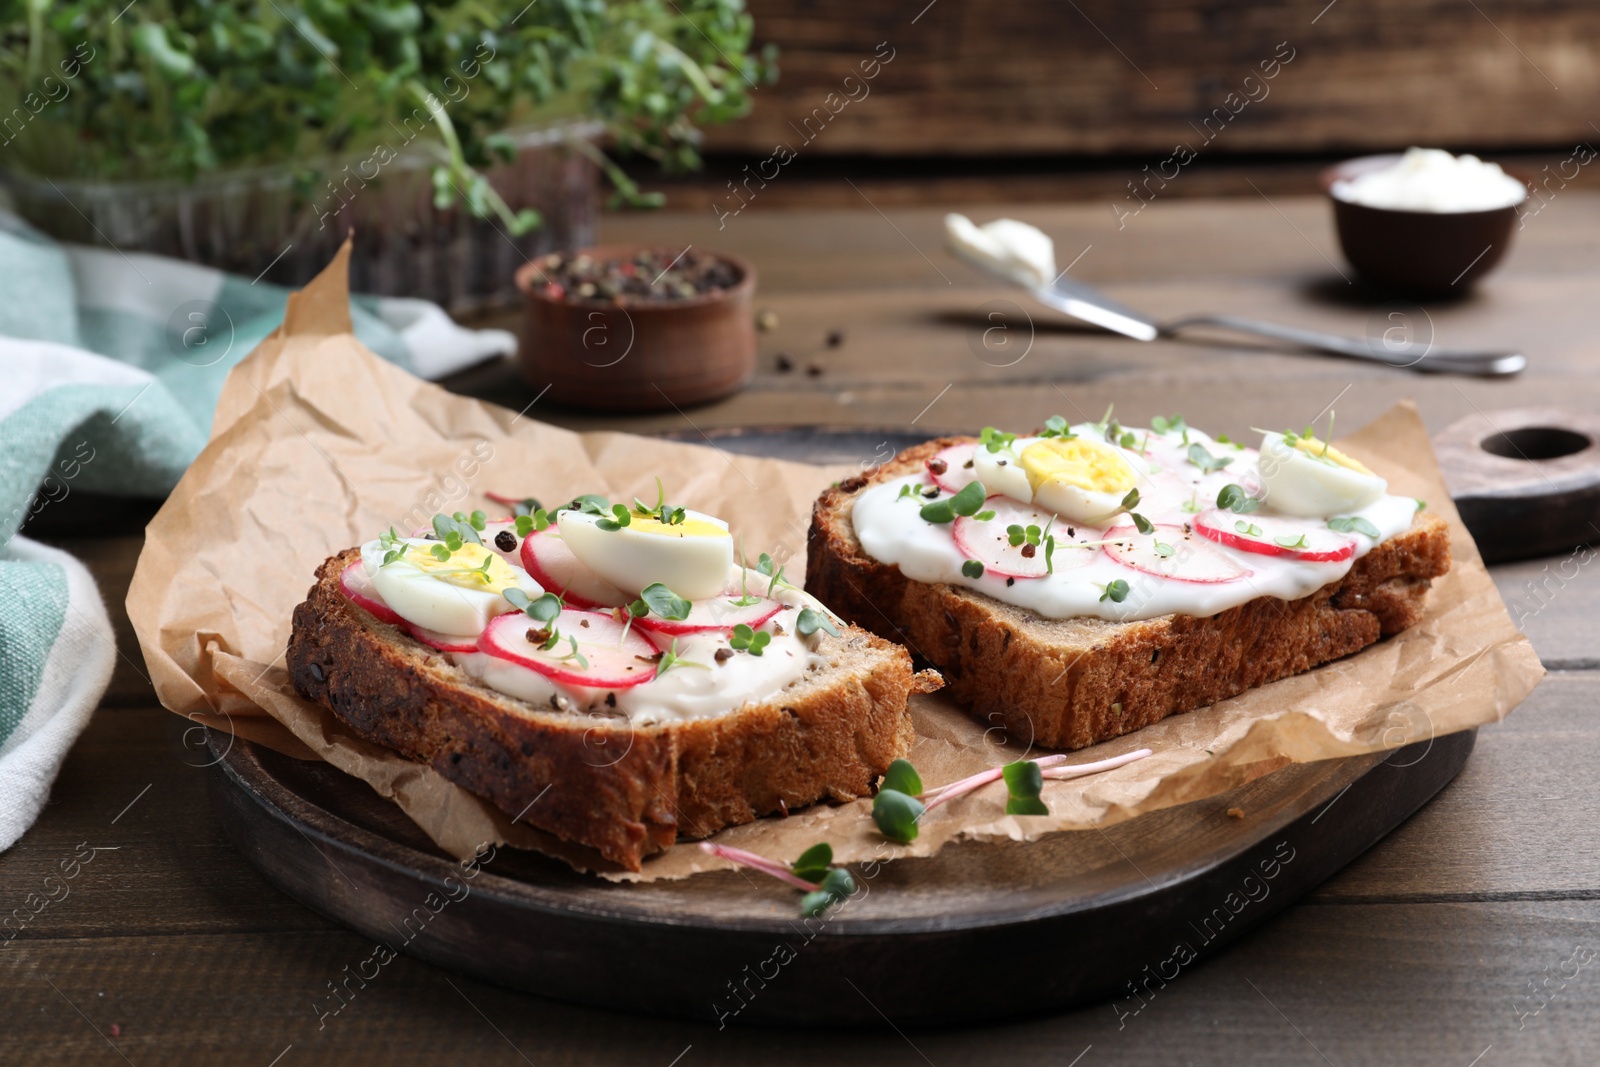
(1468, 937)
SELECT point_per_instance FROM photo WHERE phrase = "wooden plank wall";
(1045, 77)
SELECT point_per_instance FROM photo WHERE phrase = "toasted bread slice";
(1068, 683)
(625, 791)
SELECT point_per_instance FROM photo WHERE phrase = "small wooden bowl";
(1417, 253)
(638, 356)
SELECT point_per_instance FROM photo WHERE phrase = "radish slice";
(990, 544)
(958, 471)
(1193, 559)
(357, 586)
(1321, 545)
(616, 660)
(717, 613)
(546, 557)
(443, 642)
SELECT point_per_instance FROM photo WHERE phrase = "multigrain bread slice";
(1069, 683)
(625, 791)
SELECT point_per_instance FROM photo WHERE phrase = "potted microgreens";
(457, 138)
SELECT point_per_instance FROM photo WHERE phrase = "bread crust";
(625, 791)
(1069, 683)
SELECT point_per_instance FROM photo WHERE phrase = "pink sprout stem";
(759, 863)
(508, 501)
(1052, 769)
(1080, 769)
(938, 796)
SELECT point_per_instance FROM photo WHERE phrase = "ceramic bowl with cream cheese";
(1417, 225)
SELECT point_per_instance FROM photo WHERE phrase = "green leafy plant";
(165, 90)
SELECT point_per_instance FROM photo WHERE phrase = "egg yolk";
(465, 568)
(687, 528)
(1076, 461)
(1316, 449)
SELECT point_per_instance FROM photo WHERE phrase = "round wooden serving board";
(978, 932)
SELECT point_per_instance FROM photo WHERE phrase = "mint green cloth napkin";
(110, 368)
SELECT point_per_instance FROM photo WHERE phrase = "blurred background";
(231, 133)
(1067, 100)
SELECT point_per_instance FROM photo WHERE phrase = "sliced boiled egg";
(691, 557)
(1306, 477)
(456, 596)
(1001, 472)
(1081, 479)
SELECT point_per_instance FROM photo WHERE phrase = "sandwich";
(1086, 580)
(608, 673)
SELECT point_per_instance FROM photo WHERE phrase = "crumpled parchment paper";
(318, 445)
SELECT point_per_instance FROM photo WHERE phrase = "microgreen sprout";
(528, 522)
(967, 502)
(1224, 439)
(1130, 501)
(670, 659)
(1353, 524)
(1017, 534)
(394, 545)
(1205, 460)
(544, 608)
(576, 656)
(745, 597)
(995, 440)
(664, 602)
(825, 885)
(765, 565)
(810, 620)
(972, 568)
(901, 802)
(745, 639)
(910, 489)
(621, 517)
(896, 808)
(644, 509)
(589, 504)
(1421, 503)
(480, 572)
(1235, 499)
(1056, 426)
(637, 610)
(1249, 529)
(1144, 525)
(1168, 424)
(1115, 591)
(1163, 549)
(1024, 779)
(1290, 542)
(453, 531)
(1192, 505)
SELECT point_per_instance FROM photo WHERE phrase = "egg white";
(1309, 487)
(695, 567)
(1089, 507)
(432, 603)
(1000, 472)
